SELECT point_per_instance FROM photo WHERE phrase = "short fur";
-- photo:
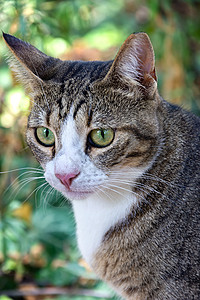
(136, 201)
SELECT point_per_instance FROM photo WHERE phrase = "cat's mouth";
(77, 195)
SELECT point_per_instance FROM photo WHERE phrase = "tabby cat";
(128, 161)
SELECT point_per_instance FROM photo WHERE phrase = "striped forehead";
(73, 86)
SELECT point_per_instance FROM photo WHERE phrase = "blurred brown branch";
(26, 291)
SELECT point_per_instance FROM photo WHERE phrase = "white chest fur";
(96, 215)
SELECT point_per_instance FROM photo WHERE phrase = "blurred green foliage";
(37, 239)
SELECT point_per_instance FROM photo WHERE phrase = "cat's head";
(93, 125)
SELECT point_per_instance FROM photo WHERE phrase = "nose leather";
(66, 179)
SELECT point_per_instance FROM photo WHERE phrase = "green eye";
(45, 136)
(101, 137)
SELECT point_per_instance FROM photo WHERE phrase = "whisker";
(62, 199)
(146, 191)
(137, 185)
(48, 192)
(23, 183)
(131, 192)
(51, 201)
(34, 171)
(158, 179)
(41, 186)
(119, 187)
(24, 179)
(34, 191)
(45, 202)
(147, 187)
(102, 191)
(113, 190)
(42, 194)
(145, 176)
(20, 169)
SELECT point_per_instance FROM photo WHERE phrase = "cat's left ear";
(135, 62)
(30, 65)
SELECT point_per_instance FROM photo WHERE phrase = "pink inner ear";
(149, 68)
(145, 56)
(135, 60)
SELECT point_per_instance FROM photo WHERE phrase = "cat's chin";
(71, 195)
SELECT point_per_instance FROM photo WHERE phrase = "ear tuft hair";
(135, 61)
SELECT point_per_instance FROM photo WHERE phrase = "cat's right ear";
(134, 63)
(31, 66)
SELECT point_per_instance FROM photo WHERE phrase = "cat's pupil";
(102, 133)
(46, 132)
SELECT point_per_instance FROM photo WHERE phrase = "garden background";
(37, 239)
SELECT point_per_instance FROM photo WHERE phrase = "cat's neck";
(97, 214)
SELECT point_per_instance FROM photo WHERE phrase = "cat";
(128, 161)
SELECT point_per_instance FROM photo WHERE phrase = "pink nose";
(66, 179)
